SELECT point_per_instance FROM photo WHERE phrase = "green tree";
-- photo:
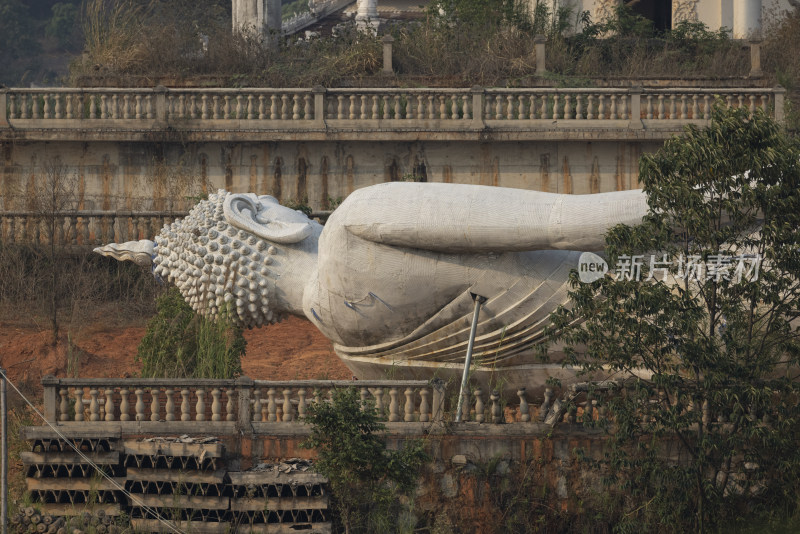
(181, 344)
(365, 478)
(62, 24)
(16, 30)
(713, 425)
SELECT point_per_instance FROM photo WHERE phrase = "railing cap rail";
(242, 381)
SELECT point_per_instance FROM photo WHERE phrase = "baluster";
(497, 410)
(672, 110)
(23, 106)
(375, 107)
(695, 107)
(379, 408)
(139, 405)
(59, 108)
(169, 407)
(684, 113)
(590, 107)
(567, 107)
(296, 107)
(729, 101)
(307, 113)
(215, 107)
(424, 405)
(284, 107)
(178, 106)
(543, 110)
(251, 108)
(364, 109)
(409, 405)
(64, 406)
(498, 107)
(660, 106)
(740, 99)
(420, 107)
(273, 107)
(466, 106)
(94, 406)
(108, 405)
(340, 107)
(364, 395)
(35, 107)
(706, 107)
(524, 409)
(649, 113)
(216, 405)
(46, 112)
(257, 405)
(545, 407)
(387, 99)
(124, 405)
(272, 408)
(262, 107)
(579, 107)
(479, 406)
(155, 404)
(185, 407)
(624, 113)
(239, 112)
(204, 107)
(79, 404)
(301, 403)
(532, 106)
(226, 106)
(12, 107)
(601, 107)
(200, 407)
(752, 99)
(150, 106)
(126, 103)
(520, 107)
(229, 406)
(394, 408)
(317, 396)
(288, 410)
(70, 114)
(138, 107)
(556, 110)
(613, 110)
(509, 107)
(103, 107)
(397, 107)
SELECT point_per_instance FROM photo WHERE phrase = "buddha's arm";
(458, 218)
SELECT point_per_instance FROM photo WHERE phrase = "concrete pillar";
(387, 54)
(319, 105)
(3, 104)
(272, 15)
(367, 14)
(244, 15)
(477, 107)
(746, 18)
(779, 93)
(539, 49)
(755, 59)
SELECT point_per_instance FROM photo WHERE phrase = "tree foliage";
(181, 344)
(713, 424)
(365, 478)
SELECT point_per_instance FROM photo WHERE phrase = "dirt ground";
(291, 350)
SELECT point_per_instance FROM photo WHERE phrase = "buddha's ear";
(242, 211)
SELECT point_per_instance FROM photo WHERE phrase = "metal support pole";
(468, 361)
(3, 454)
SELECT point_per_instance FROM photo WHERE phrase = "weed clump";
(181, 344)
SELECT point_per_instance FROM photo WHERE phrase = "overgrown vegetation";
(180, 343)
(366, 479)
(710, 430)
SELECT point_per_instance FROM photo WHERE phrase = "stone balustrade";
(88, 228)
(245, 401)
(382, 109)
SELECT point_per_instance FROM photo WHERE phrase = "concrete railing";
(379, 109)
(247, 401)
(242, 400)
(89, 228)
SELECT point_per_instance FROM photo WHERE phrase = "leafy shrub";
(366, 479)
(181, 344)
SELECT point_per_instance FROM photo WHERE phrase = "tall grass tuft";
(181, 344)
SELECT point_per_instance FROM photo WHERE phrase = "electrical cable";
(113, 482)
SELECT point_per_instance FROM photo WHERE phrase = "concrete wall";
(139, 175)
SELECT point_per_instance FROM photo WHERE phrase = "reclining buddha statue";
(390, 278)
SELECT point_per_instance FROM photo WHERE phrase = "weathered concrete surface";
(144, 175)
